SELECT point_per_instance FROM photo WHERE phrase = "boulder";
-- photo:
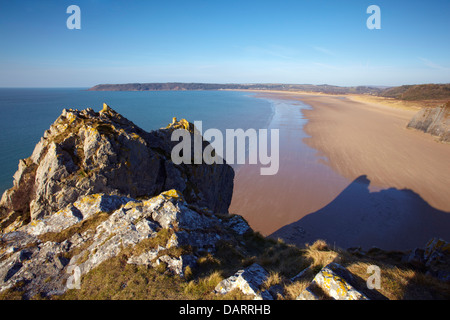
(249, 281)
(333, 281)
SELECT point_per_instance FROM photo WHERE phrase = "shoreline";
(267, 202)
(360, 158)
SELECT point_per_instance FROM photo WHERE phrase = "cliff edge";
(87, 152)
(435, 121)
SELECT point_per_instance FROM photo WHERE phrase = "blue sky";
(301, 41)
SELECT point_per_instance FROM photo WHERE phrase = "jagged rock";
(147, 258)
(249, 281)
(178, 214)
(238, 224)
(96, 185)
(434, 259)
(42, 266)
(80, 210)
(307, 294)
(435, 121)
(436, 245)
(198, 240)
(437, 259)
(178, 265)
(332, 280)
(85, 153)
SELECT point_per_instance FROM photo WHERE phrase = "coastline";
(271, 202)
(353, 149)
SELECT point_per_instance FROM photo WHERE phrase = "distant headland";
(406, 92)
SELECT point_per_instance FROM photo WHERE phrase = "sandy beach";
(350, 173)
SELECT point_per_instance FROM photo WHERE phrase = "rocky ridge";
(85, 152)
(96, 184)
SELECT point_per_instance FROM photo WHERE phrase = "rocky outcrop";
(87, 152)
(435, 121)
(433, 259)
(249, 281)
(40, 257)
(99, 190)
(96, 185)
(333, 281)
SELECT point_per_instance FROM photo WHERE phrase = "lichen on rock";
(85, 152)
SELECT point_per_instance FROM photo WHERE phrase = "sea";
(25, 113)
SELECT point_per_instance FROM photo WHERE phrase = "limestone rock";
(44, 267)
(435, 121)
(332, 280)
(238, 224)
(147, 258)
(86, 153)
(80, 210)
(437, 259)
(308, 294)
(248, 280)
(178, 265)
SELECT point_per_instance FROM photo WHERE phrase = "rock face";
(41, 257)
(86, 153)
(433, 260)
(96, 185)
(333, 281)
(435, 121)
(249, 280)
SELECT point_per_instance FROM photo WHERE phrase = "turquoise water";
(26, 113)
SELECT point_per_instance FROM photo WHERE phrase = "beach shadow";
(389, 219)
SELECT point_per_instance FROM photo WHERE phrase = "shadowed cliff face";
(85, 152)
(390, 219)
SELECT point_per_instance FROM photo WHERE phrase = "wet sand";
(302, 184)
(351, 174)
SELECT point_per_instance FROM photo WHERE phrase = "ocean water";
(26, 113)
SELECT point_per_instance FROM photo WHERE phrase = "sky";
(246, 41)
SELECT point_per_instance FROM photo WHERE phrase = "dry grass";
(401, 282)
(319, 255)
(116, 279)
(273, 279)
(88, 224)
(203, 287)
(293, 290)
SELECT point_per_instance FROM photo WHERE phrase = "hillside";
(329, 89)
(99, 211)
(418, 92)
(406, 93)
